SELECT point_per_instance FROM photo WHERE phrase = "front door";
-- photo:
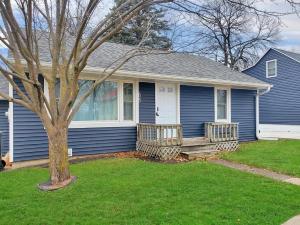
(166, 103)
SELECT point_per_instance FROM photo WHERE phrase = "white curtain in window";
(85, 112)
(102, 104)
(106, 101)
(221, 104)
(128, 101)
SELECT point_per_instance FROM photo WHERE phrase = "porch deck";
(165, 141)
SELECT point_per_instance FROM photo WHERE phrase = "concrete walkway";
(293, 221)
(258, 171)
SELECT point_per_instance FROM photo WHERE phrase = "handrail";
(221, 132)
(160, 134)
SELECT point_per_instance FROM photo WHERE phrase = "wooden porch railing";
(221, 132)
(160, 134)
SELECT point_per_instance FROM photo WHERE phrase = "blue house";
(176, 94)
(279, 114)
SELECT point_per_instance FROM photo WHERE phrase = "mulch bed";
(130, 154)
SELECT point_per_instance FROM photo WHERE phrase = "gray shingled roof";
(293, 55)
(173, 64)
(183, 65)
(3, 85)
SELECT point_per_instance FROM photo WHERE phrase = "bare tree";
(74, 30)
(231, 33)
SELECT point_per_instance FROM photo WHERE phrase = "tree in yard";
(74, 30)
(133, 32)
(232, 32)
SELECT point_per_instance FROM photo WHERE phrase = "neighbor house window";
(222, 105)
(271, 68)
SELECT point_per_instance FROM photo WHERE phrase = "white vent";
(70, 152)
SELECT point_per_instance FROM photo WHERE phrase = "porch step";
(191, 155)
(194, 148)
(195, 141)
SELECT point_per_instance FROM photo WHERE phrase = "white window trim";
(228, 120)
(112, 123)
(267, 68)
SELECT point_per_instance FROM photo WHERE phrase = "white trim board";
(11, 124)
(95, 72)
(278, 131)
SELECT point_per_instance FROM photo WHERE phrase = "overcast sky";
(290, 31)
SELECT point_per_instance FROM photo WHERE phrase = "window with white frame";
(112, 101)
(101, 105)
(271, 68)
(222, 105)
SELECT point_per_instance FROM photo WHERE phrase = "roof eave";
(176, 78)
(168, 77)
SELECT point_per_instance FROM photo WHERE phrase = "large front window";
(112, 103)
(102, 104)
(222, 105)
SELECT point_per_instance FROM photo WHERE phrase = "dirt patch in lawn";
(128, 154)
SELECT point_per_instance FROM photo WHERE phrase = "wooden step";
(195, 141)
(200, 154)
(198, 147)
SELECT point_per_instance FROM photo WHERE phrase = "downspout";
(258, 93)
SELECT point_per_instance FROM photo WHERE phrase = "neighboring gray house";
(280, 107)
(173, 88)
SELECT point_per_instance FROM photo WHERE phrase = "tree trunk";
(58, 155)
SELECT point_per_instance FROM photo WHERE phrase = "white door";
(166, 103)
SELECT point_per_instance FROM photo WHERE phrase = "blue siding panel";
(30, 139)
(147, 102)
(282, 104)
(196, 108)
(4, 127)
(243, 111)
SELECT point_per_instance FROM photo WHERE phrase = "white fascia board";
(96, 71)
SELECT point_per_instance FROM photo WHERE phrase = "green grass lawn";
(282, 156)
(131, 191)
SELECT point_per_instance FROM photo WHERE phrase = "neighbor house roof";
(293, 55)
(162, 65)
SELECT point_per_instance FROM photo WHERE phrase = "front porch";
(165, 141)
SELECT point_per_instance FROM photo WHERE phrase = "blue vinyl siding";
(147, 102)
(243, 111)
(4, 127)
(282, 104)
(30, 139)
(196, 108)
